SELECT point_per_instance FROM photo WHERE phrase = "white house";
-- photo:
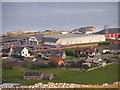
(35, 39)
(21, 51)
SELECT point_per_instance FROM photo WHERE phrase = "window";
(111, 35)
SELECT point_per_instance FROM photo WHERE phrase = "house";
(37, 76)
(94, 60)
(111, 33)
(83, 30)
(7, 51)
(115, 48)
(21, 51)
(49, 53)
(91, 51)
(56, 59)
(35, 39)
(86, 63)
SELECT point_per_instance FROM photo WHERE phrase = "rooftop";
(32, 74)
(69, 35)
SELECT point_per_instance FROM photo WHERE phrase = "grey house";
(49, 53)
(35, 39)
(21, 51)
(37, 76)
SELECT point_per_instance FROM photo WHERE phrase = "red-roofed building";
(56, 59)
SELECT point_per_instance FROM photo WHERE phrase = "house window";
(111, 35)
(116, 35)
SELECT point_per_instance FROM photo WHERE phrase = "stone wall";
(59, 85)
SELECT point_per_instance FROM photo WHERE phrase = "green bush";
(38, 66)
(7, 67)
(75, 65)
(106, 43)
(85, 67)
(69, 52)
(83, 55)
(52, 64)
(107, 61)
(5, 55)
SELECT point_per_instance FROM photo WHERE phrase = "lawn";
(108, 74)
(101, 47)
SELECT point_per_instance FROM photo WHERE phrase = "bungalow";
(37, 76)
(56, 59)
(115, 48)
(94, 60)
(7, 51)
(21, 51)
(35, 39)
(49, 53)
(91, 51)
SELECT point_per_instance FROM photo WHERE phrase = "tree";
(69, 52)
(85, 67)
(52, 64)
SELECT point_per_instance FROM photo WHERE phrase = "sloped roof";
(85, 49)
(68, 36)
(49, 39)
(110, 31)
(114, 46)
(5, 50)
(39, 36)
(55, 59)
(32, 74)
(54, 52)
(18, 49)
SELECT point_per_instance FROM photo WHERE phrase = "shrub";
(83, 55)
(38, 66)
(69, 52)
(7, 67)
(52, 64)
(106, 43)
(75, 65)
(85, 67)
(4, 55)
(107, 61)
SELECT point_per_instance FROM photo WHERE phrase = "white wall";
(25, 53)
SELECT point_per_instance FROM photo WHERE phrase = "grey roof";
(32, 74)
(53, 53)
(114, 46)
(83, 29)
(110, 31)
(39, 36)
(18, 49)
(68, 36)
(5, 50)
(50, 39)
(96, 59)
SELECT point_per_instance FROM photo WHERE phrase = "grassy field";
(108, 74)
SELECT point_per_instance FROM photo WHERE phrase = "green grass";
(70, 57)
(83, 44)
(98, 76)
(101, 47)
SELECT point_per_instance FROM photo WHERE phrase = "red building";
(111, 33)
(112, 36)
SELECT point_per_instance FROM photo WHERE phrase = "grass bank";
(108, 74)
